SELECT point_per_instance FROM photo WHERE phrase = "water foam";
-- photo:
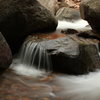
(79, 25)
(32, 60)
(84, 87)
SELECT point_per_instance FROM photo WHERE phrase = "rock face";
(67, 55)
(90, 11)
(19, 18)
(67, 13)
(5, 54)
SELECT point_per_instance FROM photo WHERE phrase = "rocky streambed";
(76, 53)
(69, 54)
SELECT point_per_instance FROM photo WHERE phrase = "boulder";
(19, 18)
(66, 13)
(51, 5)
(61, 4)
(60, 53)
(90, 11)
(5, 54)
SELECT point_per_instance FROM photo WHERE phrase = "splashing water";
(32, 56)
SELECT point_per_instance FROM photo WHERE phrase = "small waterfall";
(32, 53)
(33, 56)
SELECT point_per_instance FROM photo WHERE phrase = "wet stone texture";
(69, 54)
(25, 88)
(14, 87)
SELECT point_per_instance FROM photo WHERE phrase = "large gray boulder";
(5, 54)
(60, 53)
(19, 18)
(90, 11)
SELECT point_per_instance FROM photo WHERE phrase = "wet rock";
(90, 11)
(81, 63)
(5, 54)
(19, 18)
(69, 55)
(88, 35)
(69, 31)
(67, 13)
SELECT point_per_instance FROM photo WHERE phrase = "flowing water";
(32, 58)
(32, 53)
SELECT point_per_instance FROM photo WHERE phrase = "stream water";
(32, 53)
(32, 60)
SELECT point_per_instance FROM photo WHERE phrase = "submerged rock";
(19, 18)
(5, 54)
(90, 11)
(68, 54)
